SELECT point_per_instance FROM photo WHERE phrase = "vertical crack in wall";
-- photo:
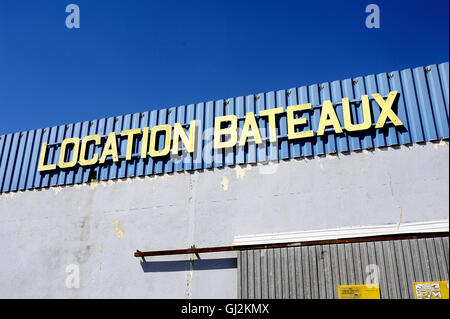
(190, 235)
(189, 277)
(395, 200)
(391, 188)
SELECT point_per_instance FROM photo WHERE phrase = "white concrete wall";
(99, 226)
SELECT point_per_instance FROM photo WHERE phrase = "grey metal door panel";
(316, 271)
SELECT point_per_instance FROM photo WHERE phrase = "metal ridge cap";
(344, 232)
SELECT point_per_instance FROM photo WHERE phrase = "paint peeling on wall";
(93, 185)
(225, 182)
(116, 227)
(240, 171)
(440, 144)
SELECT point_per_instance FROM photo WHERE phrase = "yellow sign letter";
(110, 148)
(130, 134)
(219, 131)
(328, 117)
(179, 133)
(154, 134)
(386, 109)
(349, 126)
(144, 146)
(292, 122)
(272, 123)
(84, 143)
(250, 129)
(42, 158)
(62, 153)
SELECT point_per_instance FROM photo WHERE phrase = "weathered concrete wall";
(98, 226)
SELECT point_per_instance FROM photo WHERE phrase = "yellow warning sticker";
(359, 292)
(431, 290)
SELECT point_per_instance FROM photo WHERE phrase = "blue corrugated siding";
(423, 107)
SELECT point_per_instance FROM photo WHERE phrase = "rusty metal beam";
(197, 251)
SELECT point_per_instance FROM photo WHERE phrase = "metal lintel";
(197, 251)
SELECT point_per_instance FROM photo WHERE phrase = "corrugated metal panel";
(315, 272)
(423, 107)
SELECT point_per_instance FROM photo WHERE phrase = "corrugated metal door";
(315, 272)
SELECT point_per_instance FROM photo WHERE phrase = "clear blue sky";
(137, 55)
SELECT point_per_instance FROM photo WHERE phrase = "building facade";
(314, 192)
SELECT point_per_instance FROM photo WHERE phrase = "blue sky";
(137, 55)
